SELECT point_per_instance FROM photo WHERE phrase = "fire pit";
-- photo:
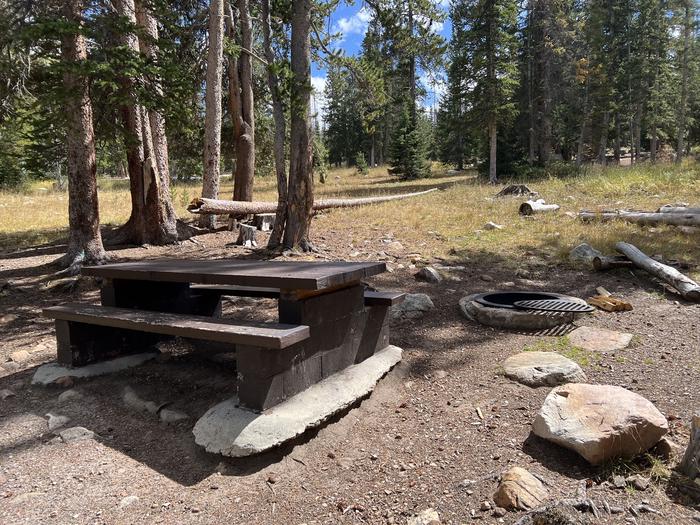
(499, 309)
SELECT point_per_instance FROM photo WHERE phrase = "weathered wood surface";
(266, 335)
(264, 221)
(678, 209)
(383, 298)
(606, 262)
(531, 207)
(688, 288)
(302, 275)
(609, 303)
(238, 291)
(246, 236)
(690, 465)
(220, 207)
(641, 217)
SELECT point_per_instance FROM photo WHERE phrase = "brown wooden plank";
(238, 291)
(266, 335)
(383, 298)
(303, 275)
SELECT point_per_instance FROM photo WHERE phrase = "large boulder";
(600, 422)
(519, 489)
(542, 369)
(414, 306)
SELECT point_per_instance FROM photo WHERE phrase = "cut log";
(688, 288)
(531, 207)
(642, 217)
(606, 262)
(609, 303)
(517, 190)
(690, 466)
(204, 206)
(678, 209)
(264, 221)
(246, 236)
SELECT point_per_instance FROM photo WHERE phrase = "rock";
(518, 489)
(440, 374)
(600, 422)
(425, 517)
(599, 339)
(619, 482)
(20, 356)
(485, 506)
(486, 278)
(56, 421)
(429, 274)
(168, 415)
(414, 306)
(48, 373)
(76, 434)
(132, 400)
(542, 369)
(232, 431)
(499, 512)
(667, 449)
(69, 395)
(5, 393)
(64, 381)
(394, 248)
(129, 500)
(638, 481)
(584, 253)
(492, 226)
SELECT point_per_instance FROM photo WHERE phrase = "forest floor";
(417, 442)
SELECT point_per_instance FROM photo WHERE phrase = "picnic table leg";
(343, 332)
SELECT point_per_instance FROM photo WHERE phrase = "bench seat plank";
(265, 335)
(383, 298)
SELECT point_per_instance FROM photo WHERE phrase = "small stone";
(272, 478)
(519, 489)
(429, 274)
(64, 381)
(20, 356)
(638, 482)
(440, 374)
(619, 482)
(492, 226)
(486, 278)
(195, 510)
(616, 510)
(168, 415)
(485, 505)
(69, 395)
(499, 512)
(5, 393)
(129, 500)
(425, 517)
(76, 434)
(56, 421)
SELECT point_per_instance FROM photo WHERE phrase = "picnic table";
(328, 320)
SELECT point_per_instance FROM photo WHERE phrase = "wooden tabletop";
(301, 275)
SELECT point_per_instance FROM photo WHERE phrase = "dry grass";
(449, 221)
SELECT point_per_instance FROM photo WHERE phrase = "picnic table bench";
(327, 320)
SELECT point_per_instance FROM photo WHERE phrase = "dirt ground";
(417, 442)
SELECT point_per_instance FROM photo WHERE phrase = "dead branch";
(641, 217)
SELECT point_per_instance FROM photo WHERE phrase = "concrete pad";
(599, 339)
(48, 373)
(232, 431)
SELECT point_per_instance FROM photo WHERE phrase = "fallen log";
(201, 205)
(642, 217)
(668, 208)
(690, 465)
(606, 262)
(531, 207)
(688, 288)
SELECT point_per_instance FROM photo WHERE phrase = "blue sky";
(350, 21)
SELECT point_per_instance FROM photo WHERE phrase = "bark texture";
(220, 207)
(84, 240)
(212, 116)
(301, 183)
(688, 288)
(280, 129)
(690, 465)
(640, 217)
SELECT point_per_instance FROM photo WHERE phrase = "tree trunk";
(603, 146)
(618, 139)
(84, 239)
(584, 121)
(212, 116)
(280, 129)
(240, 73)
(159, 207)
(688, 288)
(301, 182)
(220, 207)
(530, 98)
(680, 150)
(493, 144)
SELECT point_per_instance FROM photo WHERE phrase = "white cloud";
(354, 25)
(318, 97)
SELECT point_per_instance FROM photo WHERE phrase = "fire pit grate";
(553, 305)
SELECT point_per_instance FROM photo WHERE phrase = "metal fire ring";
(507, 298)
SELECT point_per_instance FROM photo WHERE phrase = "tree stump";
(690, 465)
(264, 221)
(246, 236)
